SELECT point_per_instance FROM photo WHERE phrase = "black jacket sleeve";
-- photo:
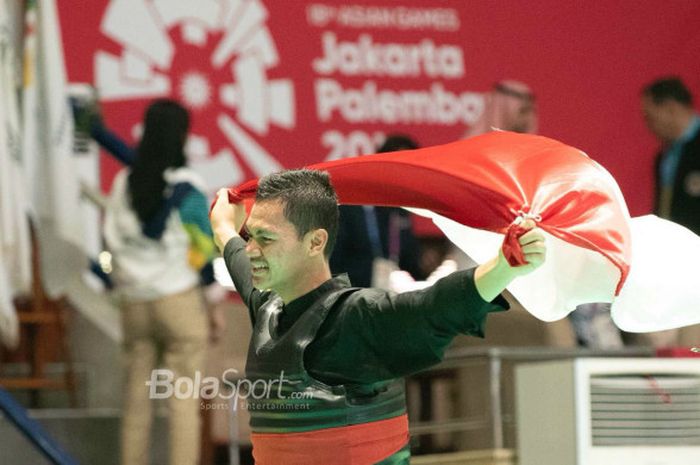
(376, 335)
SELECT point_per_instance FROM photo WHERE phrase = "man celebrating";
(338, 353)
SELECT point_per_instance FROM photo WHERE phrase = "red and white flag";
(478, 190)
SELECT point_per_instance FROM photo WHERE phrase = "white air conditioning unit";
(609, 411)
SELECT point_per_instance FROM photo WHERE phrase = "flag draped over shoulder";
(15, 253)
(47, 152)
(477, 191)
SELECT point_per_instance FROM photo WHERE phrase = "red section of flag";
(490, 182)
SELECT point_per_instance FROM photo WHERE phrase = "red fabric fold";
(511, 247)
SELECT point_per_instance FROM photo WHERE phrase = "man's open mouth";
(259, 268)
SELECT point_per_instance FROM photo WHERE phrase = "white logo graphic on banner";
(227, 82)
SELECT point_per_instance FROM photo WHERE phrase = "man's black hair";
(668, 88)
(309, 201)
(397, 142)
(162, 146)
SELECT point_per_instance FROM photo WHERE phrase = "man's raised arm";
(226, 220)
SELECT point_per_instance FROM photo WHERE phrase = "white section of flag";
(569, 277)
(661, 291)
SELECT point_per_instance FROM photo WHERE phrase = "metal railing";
(33, 431)
(494, 357)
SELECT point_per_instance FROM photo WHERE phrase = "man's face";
(523, 120)
(659, 118)
(277, 254)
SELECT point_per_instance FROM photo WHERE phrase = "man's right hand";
(226, 219)
(492, 278)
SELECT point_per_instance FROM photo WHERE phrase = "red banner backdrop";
(274, 83)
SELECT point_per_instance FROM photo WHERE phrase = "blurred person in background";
(667, 107)
(374, 241)
(158, 232)
(668, 111)
(509, 106)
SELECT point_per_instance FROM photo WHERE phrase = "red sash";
(363, 444)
